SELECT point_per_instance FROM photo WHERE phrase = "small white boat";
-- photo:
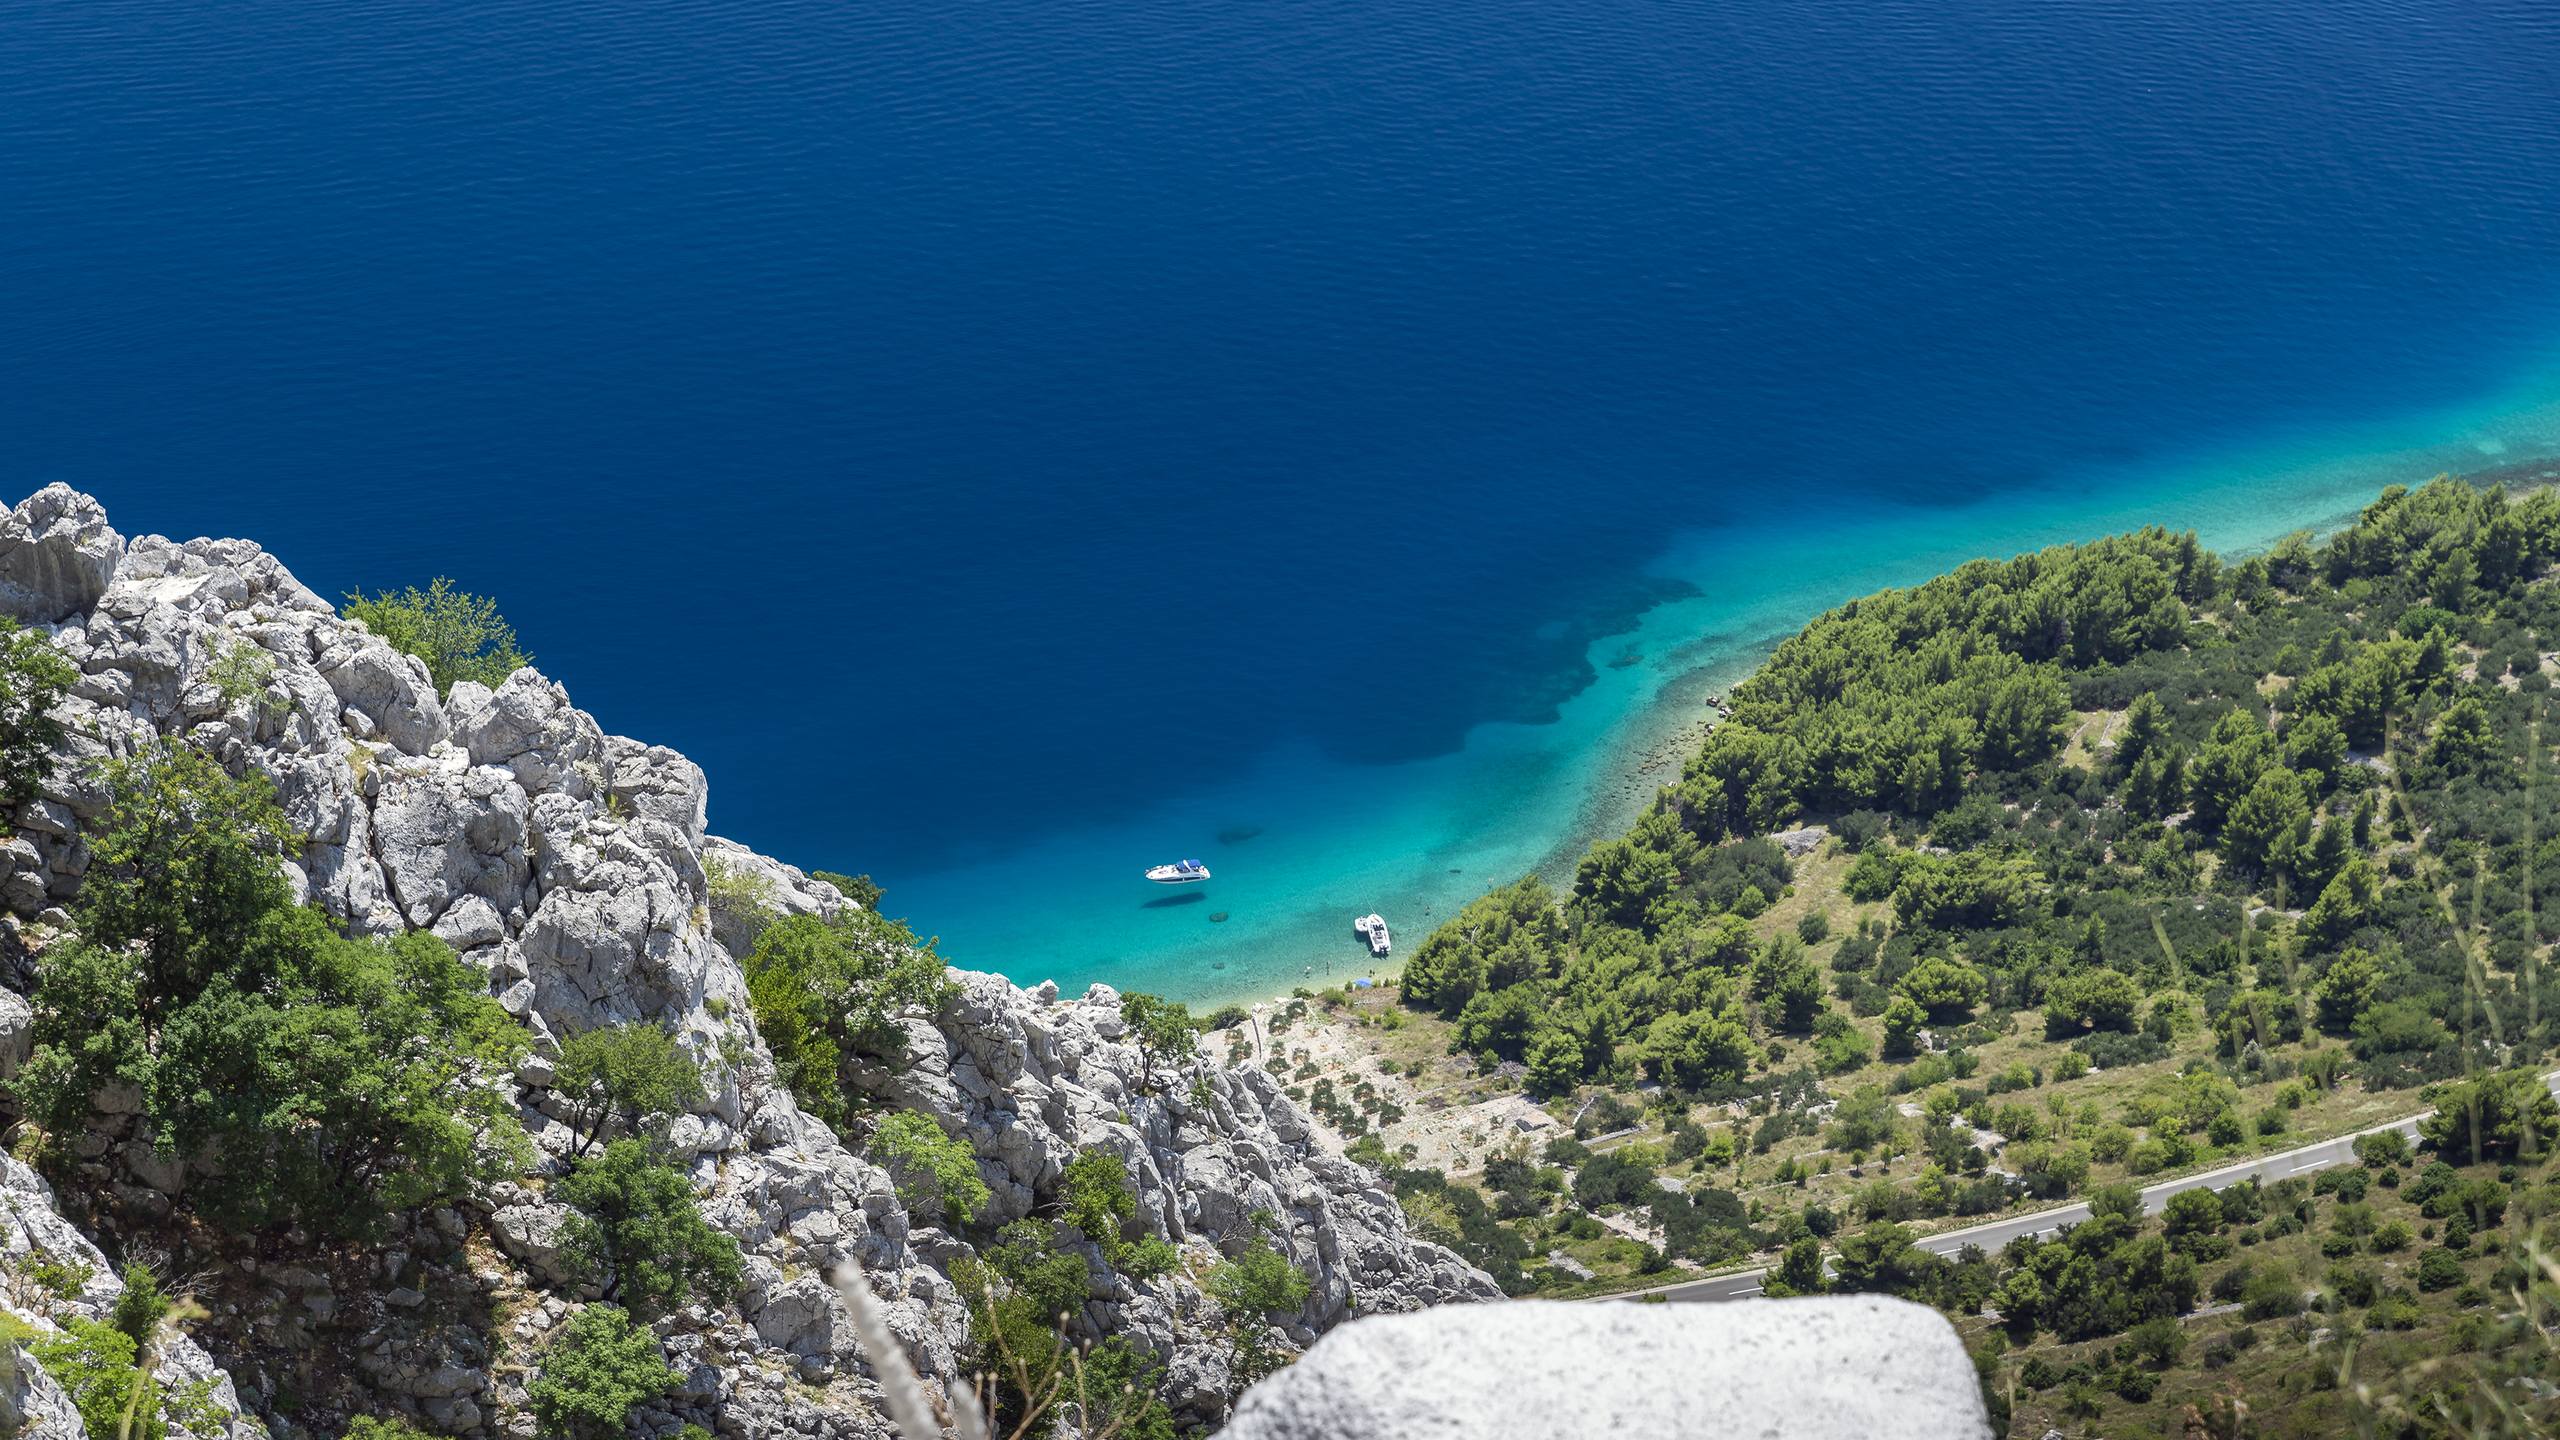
(1373, 928)
(1187, 872)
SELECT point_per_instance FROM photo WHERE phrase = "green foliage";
(340, 1080)
(357, 1079)
(183, 866)
(240, 672)
(1018, 1290)
(1947, 989)
(600, 1366)
(1098, 1199)
(2091, 1000)
(2492, 1116)
(1903, 1022)
(625, 1080)
(738, 894)
(1496, 940)
(98, 1366)
(1258, 1281)
(862, 890)
(34, 676)
(934, 1172)
(140, 1306)
(635, 1224)
(827, 993)
(383, 1427)
(460, 635)
(62, 1279)
(1161, 1028)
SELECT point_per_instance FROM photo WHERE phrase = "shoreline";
(1306, 841)
(1658, 737)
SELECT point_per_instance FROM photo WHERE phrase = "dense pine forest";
(2051, 879)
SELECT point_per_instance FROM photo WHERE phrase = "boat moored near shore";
(1185, 872)
(1373, 928)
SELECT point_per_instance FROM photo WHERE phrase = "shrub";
(240, 672)
(2269, 1295)
(601, 1366)
(1161, 1029)
(934, 1171)
(460, 635)
(341, 1080)
(826, 993)
(1100, 1201)
(98, 1367)
(1257, 1282)
(636, 1225)
(862, 890)
(140, 1306)
(626, 1079)
(2095, 999)
(745, 896)
(2492, 1117)
(1015, 1288)
(34, 676)
(372, 1427)
(2381, 1148)
(2439, 1270)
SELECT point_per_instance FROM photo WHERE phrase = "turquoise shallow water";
(1330, 841)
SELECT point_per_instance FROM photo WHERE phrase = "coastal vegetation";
(341, 1080)
(826, 994)
(2049, 879)
(460, 635)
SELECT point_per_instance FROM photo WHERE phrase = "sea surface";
(1010, 443)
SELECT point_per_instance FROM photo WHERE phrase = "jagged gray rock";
(1843, 1368)
(33, 1405)
(574, 867)
(57, 554)
(35, 1227)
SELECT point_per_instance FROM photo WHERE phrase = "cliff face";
(569, 865)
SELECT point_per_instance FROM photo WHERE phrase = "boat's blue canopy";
(1193, 865)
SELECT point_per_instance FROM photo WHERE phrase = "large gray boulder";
(1844, 1368)
(57, 554)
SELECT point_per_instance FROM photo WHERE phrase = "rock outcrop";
(1853, 1366)
(570, 866)
(50, 1273)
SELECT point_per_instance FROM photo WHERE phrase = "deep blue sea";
(1013, 442)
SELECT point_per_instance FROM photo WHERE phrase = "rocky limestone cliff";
(569, 865)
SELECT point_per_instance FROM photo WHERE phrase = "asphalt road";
(1742, 1284)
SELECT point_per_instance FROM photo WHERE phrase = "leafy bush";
(2492, 1117)
(1016, 1288)
(1257, 1282)
(1099, 1200)
(341, 1080)
(1161, 1029)
(595, 1372)
(625, 1079)
(635, 1224)
(34, 677)
(460, 635)
(935, 1172)
(97, 1366)
(383, 1427)
(2439, 1269)
(826, 993)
